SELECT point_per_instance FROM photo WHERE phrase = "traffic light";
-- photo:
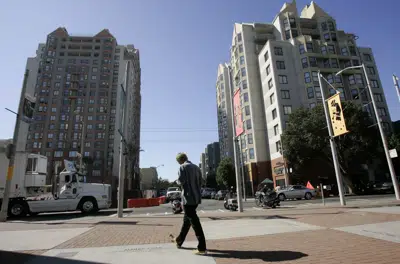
(336, 115)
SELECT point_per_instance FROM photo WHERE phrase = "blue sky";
(181, 43)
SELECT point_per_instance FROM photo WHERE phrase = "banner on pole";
(396, 85)
(336, 115)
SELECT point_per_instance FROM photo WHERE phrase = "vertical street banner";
(28, 108)
(336, 115)
(122, 110)
(237, 112)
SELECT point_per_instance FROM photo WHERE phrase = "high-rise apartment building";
(81, 86)
(212, 158)
(225, 127)
(275, 69)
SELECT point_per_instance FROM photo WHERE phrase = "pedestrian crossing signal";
(336, 115)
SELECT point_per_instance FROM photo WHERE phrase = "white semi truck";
(29, 194)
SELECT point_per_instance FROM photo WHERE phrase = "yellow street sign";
(336, 115)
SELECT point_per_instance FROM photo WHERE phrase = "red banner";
(237, 112)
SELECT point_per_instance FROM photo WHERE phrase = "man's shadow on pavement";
(270, 256)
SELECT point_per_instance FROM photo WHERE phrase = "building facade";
(212, 158)
(203, 166)
(81, 87)
(279, 63)
(224, 98)
(148, 178)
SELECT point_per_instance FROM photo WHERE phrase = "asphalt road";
(207, 205)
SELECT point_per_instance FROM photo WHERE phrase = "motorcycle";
(267, 197)
(176, 204)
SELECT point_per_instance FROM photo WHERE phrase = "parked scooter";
(230, 201)
(176, 204)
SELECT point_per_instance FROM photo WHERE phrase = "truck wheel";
(17, 208)
(88, 205)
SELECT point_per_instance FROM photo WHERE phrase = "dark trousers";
(191, 219)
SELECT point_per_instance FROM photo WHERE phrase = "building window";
(58, 154)
(285, 94)
(354, 94)
(338, 79)
(374, 84)
(274, 114)
(268, 69)
(323, 50)
(307, 77)
(272, 99)
(371, 70)
(278, 51)
(250, 138)
(313, 62)
(278, 146)
(270, 84)
(276, 130)
(382, 111)
(317, 90)
(310, 47)
(304, 62)
(359, 79)
(247, 110)
(310, 92)
(327, 37)
(378, 97)
(302, 48)
(283, 79)
(333, 37)
(344, 51)
(367, 57)
(251, 153)
(280, 65)
(266, 56)
(55, 92)
(241, 60)
(331, 26)
(245, 97)
(352, 80)
(94, 77)
(243, 71)
(352, 51)
(248, 124)
(239, 37)
(334, 63)
(312, 105)
(356, 63)
(342, 94)
(287, 109)
(244, 84)
(330, 78)
(240, 48)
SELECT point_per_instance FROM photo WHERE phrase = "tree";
(306, 141)
(226, 173)
(394, 142)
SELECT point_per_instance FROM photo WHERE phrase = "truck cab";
(30, 195)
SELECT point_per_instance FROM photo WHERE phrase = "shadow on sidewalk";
(24, 258)
(270, 256)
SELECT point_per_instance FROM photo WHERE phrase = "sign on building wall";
(237, 112)
(336, 115)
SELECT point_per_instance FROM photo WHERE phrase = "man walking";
(190, 180)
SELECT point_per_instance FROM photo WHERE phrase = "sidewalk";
(328, 235)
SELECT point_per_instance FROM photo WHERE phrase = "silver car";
(296, 192)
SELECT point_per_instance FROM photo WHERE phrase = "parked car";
(220, 195)
(206, 193)
(296, 192)
(213, 195)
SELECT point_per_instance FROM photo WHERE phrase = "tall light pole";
(235, 146)
(10, 170)
(332, 143)
(382, 132)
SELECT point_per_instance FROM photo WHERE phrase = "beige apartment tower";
(275, 67)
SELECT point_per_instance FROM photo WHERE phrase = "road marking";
(222, 211)
(258, 209)
(113, 215)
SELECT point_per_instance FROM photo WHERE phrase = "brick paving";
(322, 246)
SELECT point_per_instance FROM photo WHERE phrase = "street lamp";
(235, 145)
(333, 144)
(383, 136)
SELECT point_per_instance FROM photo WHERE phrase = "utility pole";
(235, 150)
(10, 170)
(333, 144)
(121, 175)
(241, 169)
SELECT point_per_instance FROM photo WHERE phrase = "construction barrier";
(143, 202)
(161, 200)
